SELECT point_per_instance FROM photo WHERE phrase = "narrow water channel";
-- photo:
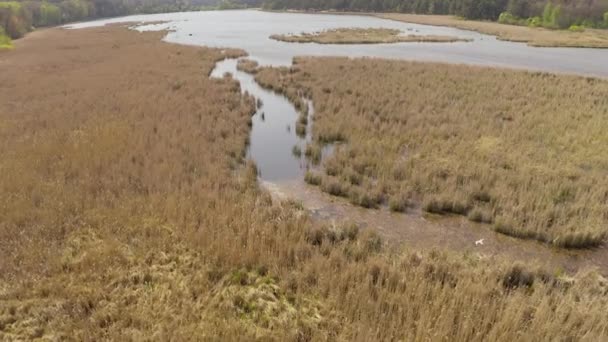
(273, 133)
(273, 137)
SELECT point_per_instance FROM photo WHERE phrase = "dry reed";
(129, 213)
(522, 148)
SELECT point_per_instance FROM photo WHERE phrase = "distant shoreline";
(536, 37)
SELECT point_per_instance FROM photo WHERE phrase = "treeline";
(557, 14)
(20, 17)
(591, 13)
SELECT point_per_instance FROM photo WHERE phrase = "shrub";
(442, 206)
(606, 19)
(334, 187)
(399, 203)
(580, 239)
(481, 216)
(315, 236)
(432, 205)
(534, 22)
(312, 178)
(364, 199)
(547, 12)
(49, 15)
(372, 241)
(313, 152)
(576, 28)
(296, 151)
(332, 167)
(516, 277)
(5, 41)
(300, 129)
(353, 177)
(504, 227)
(481, 196)
(349, 232)
(508, 18)
(247, 65)
(331, 137)
(458, 207)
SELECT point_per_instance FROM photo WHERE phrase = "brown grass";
(362, 36)
(524, 148)
(534, 36)
(128, 213)
(247, 65)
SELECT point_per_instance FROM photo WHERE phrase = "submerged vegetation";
(530, 162)
(361, 36)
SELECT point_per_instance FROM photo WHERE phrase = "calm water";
(273, 132)
(249, 30)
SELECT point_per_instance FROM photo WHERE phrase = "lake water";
(250, 29)
(273, 135)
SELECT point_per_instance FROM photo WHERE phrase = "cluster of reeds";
(534, 36)
(494, 145)
(124, 218)
(358, 35)
(247, 65)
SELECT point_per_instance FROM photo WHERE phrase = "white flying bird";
(479, 242)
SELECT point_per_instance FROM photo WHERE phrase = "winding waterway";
(273, 135)
(250, 30)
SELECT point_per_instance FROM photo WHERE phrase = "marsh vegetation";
(248, 66)
(534, 36)
(361, 36)
(520, 151)
(541, 22)
(124, 218)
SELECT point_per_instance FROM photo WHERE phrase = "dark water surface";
(273, 133)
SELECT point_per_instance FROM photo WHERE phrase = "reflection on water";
(250, 29)
(273, 133)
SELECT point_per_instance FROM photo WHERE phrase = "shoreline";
(535, 37)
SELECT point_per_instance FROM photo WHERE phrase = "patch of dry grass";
(534, 36)
(128, 213)
(247, 65)
(361, 36)
(522, 149)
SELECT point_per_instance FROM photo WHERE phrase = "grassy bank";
(247, 65)
(129, 213)
(361, 36)
(534, 36)
(522, 151)
(5, 41)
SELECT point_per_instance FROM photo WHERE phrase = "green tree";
(555, 17)
(5, 41)
(547, 12)
(49, 15)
